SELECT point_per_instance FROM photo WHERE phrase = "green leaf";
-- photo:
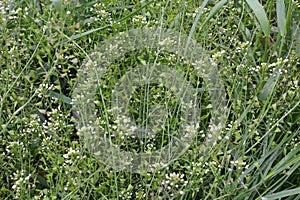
(290, 161)
(213, 11)
(281, 16)
(195, 24)
(61, 97)
(279, 195)
(261, 15)
(142, 60)
(74, 37)
(57, 5)
(269, 87)
(43, 181)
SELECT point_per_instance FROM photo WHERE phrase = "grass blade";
(279, 195)
(214, 10)
(269, 87)
(74, 37)
(291, 159)
(269, 131)
(260, 15)
(281, 16)
(195, 24)
(61, 97)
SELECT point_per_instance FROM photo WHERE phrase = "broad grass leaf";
(61, 97)
(269, 87)
(281, 16)
(261, 15)
(282, 194)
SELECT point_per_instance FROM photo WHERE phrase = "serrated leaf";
(261, 15)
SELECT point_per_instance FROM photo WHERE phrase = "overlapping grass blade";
(195, 24)
(214, 10)
(260, 15)
(292, 158)
(104, 27)
(269, 86)
(279, 195)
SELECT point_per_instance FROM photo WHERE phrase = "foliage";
(255, 46)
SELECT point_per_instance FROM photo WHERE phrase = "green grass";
(255, 46)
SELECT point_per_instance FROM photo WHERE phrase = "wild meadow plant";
(255, 47)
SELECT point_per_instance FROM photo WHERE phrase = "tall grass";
(254, 46)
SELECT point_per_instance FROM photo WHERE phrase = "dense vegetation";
(254, 45)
